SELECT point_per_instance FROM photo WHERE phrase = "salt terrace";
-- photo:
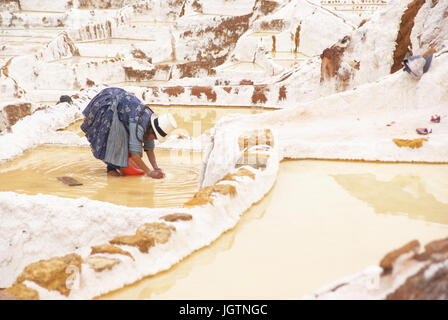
(296, 150)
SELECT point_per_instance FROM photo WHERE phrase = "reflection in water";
(37, 170)
(402, 194)
(163, 281)
(194, 121)
(307, 232)
(191, 121)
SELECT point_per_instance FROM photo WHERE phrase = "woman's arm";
(153, 161)
(138, 160)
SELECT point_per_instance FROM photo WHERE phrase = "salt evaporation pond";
(194, 121)
(323, 220)
(37, 170)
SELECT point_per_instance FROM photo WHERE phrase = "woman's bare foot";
(113, 173)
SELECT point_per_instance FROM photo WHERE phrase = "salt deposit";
(340, 101)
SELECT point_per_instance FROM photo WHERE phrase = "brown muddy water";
(322, 220)
(37, 170)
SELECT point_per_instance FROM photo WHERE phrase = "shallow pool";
(194, 121)
(37, 170)
(323, 220)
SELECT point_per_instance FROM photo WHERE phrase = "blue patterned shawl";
(98, 117)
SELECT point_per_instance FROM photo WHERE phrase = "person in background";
(417, 65)
(117, 124)
(65, 98)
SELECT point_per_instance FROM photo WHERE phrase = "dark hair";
(150, 129)
(65, 98)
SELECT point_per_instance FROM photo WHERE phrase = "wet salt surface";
(39, 32)
(83, 59)
(146, 21)
(149, 83)
(36, 171)
(323, 220)
(21, 39)
(244, 66)
(117, 41)
(13, 48)
(288, 55)
(111, 47)
(263, 34)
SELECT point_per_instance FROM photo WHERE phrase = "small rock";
(177, 216)
(204, 196)
(51, 274)
(437, 246)
(160, 232)
(111, 249)
(435, 250)
(424, 285)
(72, 182)
(387, 263)
(15, 112)
(143, 243)
(242, 172)
(22, 292)
(5, 295)
(99, 263)
(410, 143)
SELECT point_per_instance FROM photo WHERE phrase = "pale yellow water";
(120, 41)
(288, 59)
(287, 63)
(323, 220)
(81, 59)
(36, 171)
(148, 83)
(19, 48)
(244, 66)
(145, 21)
(263, 34)
(28, 39)
(288, 55)
(200, 119)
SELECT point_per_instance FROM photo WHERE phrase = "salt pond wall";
(342, 103)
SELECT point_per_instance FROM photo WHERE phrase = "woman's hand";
(157, 174)
(158, 169)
